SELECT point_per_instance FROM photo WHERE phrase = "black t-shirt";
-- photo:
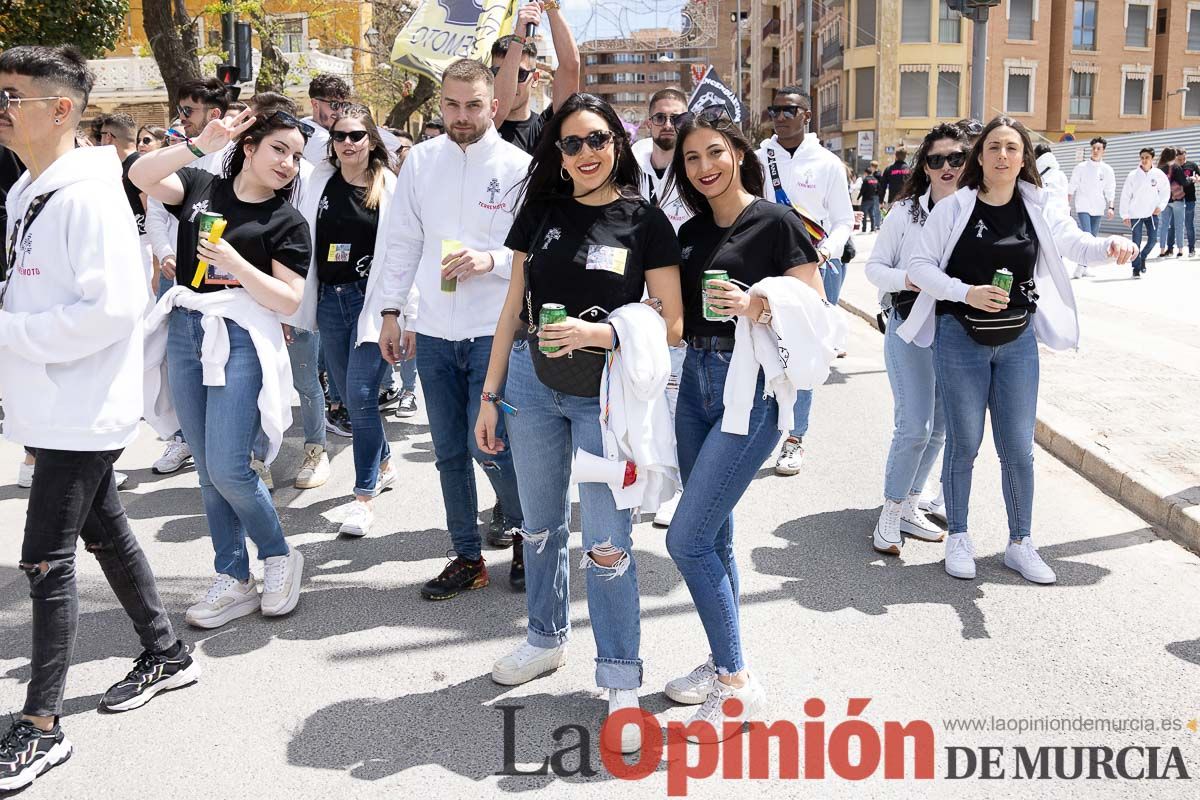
(870, 187)
(588, 256)
(893, 180)
(272, 230)
(767, 240)
(1190, 170)
(1177, 175)
(525, 134)
(996, 237)
(345, 233)
(10, 171)
(133, 194)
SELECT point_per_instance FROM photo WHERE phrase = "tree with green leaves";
(92, 25)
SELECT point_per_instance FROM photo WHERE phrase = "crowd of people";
(645, 320)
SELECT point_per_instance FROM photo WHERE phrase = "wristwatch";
(765, 317)
(390, 312)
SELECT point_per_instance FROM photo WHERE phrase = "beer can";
(1004, 279)
(710, 313)
(551, 314)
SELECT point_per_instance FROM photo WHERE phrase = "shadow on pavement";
(1187, 650)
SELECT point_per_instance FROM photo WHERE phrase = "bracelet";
(390, 312)
(196, 151)
(491, 397)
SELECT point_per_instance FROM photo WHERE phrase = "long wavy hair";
(1165, 158)
(751, 169)
(378, 159)
(972, 174)
(263, 126)
(918, 182)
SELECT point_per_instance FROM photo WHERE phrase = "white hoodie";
(446, 193)
(1144, 192)
(70, 338)
(815, 181)
(1093, 186)
(1054, 181)
(669, 201)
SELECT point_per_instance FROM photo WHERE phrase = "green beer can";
(1004, 279)
(551, 314)
(711, 313)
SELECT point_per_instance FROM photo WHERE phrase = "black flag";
(712, 92)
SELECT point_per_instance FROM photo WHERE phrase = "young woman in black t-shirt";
(721, 181)
(585, 239)
(263, 252)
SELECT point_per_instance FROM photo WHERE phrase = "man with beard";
(454, 204)
(654, 154)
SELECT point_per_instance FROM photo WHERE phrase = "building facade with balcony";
(627, 72)
(764, 31)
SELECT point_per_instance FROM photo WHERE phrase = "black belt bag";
(993, 330)
(902, 302)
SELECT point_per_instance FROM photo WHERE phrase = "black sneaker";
(498, 534)
(152, 673)
(516, 573)
(407, 407)
(337, 421)
(26, 752)
(388, 398)
(458, 576)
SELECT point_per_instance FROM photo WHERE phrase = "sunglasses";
(955, 160)
(596, 141)
(706, 114)
(7, 100)
(783, 112)
(354, 136)
(335, 105)
(187, 111)
(306, 130)
(662, 118)
(147, 140)
(522, 73)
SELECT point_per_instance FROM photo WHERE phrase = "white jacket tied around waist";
(70, 333)
(635, 418)
(263, 325)
(447, 193)
(1056, 322)
(793, 352)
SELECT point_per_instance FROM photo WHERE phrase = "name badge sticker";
(609, 259)
(339, 253)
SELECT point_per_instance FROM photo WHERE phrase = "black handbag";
(993, 330)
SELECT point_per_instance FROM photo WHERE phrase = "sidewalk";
(1122, 409)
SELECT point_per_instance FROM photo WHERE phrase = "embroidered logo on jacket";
(493, 189)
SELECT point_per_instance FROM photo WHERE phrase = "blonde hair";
(378, 159)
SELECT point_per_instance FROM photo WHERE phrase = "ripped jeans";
(547, 429)
(73, 496)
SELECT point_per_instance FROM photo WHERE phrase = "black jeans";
(74, 495)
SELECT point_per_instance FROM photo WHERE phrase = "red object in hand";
(630, 475)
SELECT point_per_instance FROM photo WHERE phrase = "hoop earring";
(562, 171)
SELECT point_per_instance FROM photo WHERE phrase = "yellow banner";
(441, 32)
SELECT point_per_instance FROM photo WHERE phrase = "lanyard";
(780, 195)
(18, 231)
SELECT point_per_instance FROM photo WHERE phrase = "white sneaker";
(386, 478)
(25, 475)
(1023, 557)
(177, 454)
(692, 689)
(358, 520)
(934, 506)
(666, 512)
(887, 538)
(960, 556)
(752, 696)
(263, 472)
(631, 732)
(226, 600)
(314, 471)
(527, 662)
(790, 457)
(915, 523)
(281, 583)
(121, 479)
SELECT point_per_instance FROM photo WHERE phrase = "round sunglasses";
(354, 136)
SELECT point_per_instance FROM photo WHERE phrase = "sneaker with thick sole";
(886, 538)
(934, 506)
(121, 478)
(960, 556)
(459, 576)
(498, 534)
(516, 572)
(386, 478)
(226, 600)
(407, 405)
(528, 662)
(1023, 557)
(712, 711)
(314, 470)
(630, 732)
(791, 456)
(337, 422)
(25, 475)
(693, 689)
(174, 457)
(264, 473)
(281, 583)
(388, 398)
(358, 520)
(666, 512)
(152, 673)
(913, 521)
(27, 752)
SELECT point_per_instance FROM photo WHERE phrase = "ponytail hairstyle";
(378, 159)
(918, 182)
(267, 121)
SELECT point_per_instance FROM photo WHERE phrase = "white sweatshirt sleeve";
(841, 212)
(883, 267)
(1071, 241)
(502, 258)
(1073, 184)
(1127, 195)
(405, 242)
(158, 229)
(925, 265)
(1110, 186)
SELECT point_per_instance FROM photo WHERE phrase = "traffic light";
(243, 55)
(228, 74)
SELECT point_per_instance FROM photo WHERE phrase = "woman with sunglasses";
(583, 238)
(151, 137)
(720, 179)
(343, 202)
(998, 228)
(919, 426)
(255, 273)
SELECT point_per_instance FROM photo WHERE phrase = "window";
(1084, 35)
(1193, 29)
(914, 21)
(1020, 20)
(1132, 100)
(1018, 100)
(1156, 92)
(949, 24)
(1161, 28)
(1137, 26)
(592, 78)
(293, 33)
(864, 33)
(1083, 89)
(947, 95)
(1191, 99)
(914, 94)
(864, 93)
(592, 59)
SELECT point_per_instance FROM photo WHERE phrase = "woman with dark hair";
(244, 281)
(919, 426)
(585, 239)
(998, 230)
(721, 181)
(343, 202)
(1166, 233)
(151, 137)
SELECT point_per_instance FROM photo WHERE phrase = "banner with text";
(441, 32)
(712, 92)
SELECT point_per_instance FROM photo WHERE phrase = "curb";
(1068, 441)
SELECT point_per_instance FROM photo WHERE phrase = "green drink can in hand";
(710, 313)
(1004, 279)
(551, 314)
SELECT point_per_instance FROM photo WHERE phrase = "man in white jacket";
(70, 376)
(654, 155)
(1144, 195)
(1093, 188)
(454, 204)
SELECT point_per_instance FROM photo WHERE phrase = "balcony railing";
(771, 29)
(831, 53)
(770, 71)
(829, 118)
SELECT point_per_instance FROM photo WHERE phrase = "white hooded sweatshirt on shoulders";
(70, 332)
(815, 181)
(659, 191)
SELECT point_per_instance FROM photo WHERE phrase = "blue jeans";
(920, 425)
(356, 370)
(1089, 223)
(221, 423)
(452, 375)
(1189, 224)
(302, 353)
(1146, 224)
(547, 430)
(1170, 232)
(408, 376)
(870, 209)
(164, 284)
(973, 379)
(717, 468)
(833, 275)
